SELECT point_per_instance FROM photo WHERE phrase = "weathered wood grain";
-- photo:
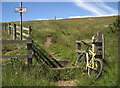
(16, 41)
(26, 35)
(87, 41)
(14, 56)
(64, 68)
(25, 28)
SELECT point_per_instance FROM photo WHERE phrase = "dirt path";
(48, 41)
(59, 83)
(67, 83)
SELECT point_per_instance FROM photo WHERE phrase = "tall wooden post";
(103, 47)
(21, 22)
(29, 48)
(99, 34)
(14, 32)
(9, 29)
(97, 47)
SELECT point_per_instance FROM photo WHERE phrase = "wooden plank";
(86, 41)
(16, 41)
(11, 26)
(23, 28)
(24, 39)
(63, 61)
(17, 27)
(60, 62)
(18, 31)
(26, 28)
(64, 68)
(98, 56)
(26, 35)
(99, 48)
(14, 56)
(17, 35)
(98, 43)
(99, 53)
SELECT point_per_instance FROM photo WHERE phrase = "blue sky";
(48, 10)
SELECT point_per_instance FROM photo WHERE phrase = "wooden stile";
(98, 45)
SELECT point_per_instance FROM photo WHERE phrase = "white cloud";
(56, 0)
(75, 17)
(97, 9)
(91, 16)
(41, 19)
(59, 18)
(49, 19)
(113, 11)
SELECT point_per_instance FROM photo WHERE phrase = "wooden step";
(64, 68)
(61, 62)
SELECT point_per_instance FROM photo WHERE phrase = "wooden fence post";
(14, 32)
(5, 28)
(9, 29)
(98, 45)
(29, 47)
(93, 43)
(99, 34)
(103, 47)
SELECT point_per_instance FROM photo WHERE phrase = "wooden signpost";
(21, 10)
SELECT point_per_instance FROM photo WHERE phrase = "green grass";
(65, 33)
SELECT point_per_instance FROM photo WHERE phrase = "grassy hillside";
(63, 34)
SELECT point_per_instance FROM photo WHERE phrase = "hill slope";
(62, 34)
